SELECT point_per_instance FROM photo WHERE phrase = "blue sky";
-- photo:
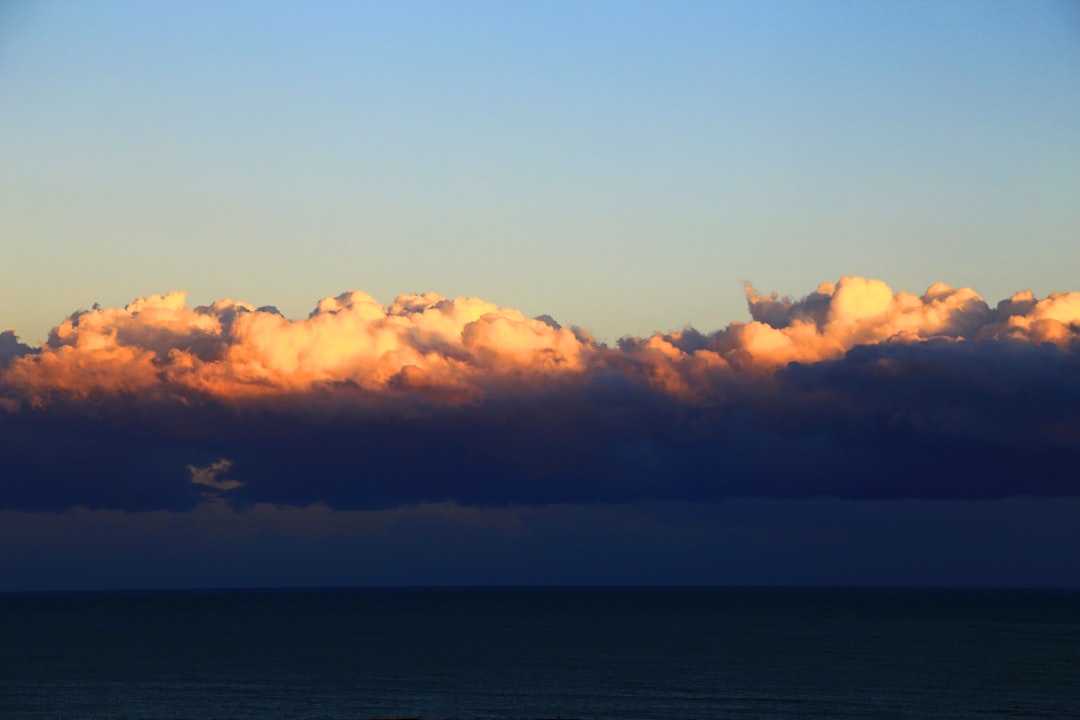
(621, 166)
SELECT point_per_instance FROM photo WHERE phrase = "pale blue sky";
(622, 166)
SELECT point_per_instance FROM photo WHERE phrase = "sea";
(531, 653)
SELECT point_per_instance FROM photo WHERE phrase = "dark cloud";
(11, 348)
(937, 419)
(1015, 541)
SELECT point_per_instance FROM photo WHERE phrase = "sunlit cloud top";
(457, 350)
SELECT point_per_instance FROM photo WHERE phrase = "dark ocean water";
(541, 653)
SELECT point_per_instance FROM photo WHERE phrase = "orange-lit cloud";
(456, 350)
(157, 347)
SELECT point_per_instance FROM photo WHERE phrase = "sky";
(550, 293)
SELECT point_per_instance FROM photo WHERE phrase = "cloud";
(1031, 542)
(213, 475)
(854, 391)
(158, 348)
(11, 348)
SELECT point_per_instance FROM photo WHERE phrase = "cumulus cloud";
(462, 349)
(158, 348)
(852, 391)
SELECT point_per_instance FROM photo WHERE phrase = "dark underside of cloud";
(11, 348)
(931, 420)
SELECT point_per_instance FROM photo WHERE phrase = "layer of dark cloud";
(1007, 542)
(932, 419)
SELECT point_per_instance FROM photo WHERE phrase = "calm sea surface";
(541, 653)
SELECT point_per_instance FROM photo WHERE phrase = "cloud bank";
(854, 391)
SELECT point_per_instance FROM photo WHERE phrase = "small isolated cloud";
(853, 391)
(213, 475)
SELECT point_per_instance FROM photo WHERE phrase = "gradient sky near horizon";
(623, 167)
(603, 175)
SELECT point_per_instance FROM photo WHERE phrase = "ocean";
(527, 653)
